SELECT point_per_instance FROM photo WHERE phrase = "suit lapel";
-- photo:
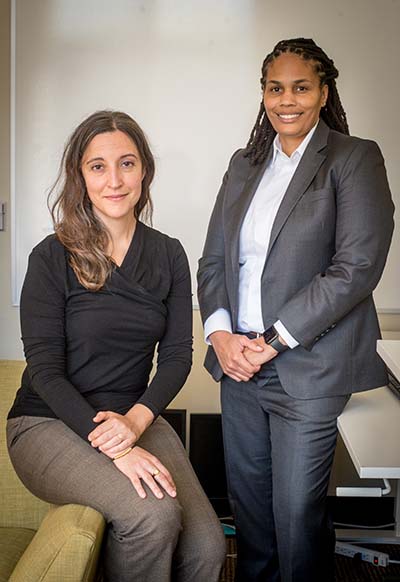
(308, 167)
(241, 206)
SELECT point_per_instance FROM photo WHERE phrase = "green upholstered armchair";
(39, 542)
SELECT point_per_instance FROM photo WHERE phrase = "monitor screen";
(207, 457)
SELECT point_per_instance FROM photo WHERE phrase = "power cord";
(226, 517)
(383, 526)
(231, 529)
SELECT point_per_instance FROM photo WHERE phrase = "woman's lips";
(116, 197)
(288, 117)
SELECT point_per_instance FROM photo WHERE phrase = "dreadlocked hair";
(263, 134)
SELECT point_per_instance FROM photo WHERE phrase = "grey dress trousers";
(147, 540)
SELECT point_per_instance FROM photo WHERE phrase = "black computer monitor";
(177, 419)
(206, 454)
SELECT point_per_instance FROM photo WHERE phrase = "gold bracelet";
(120, 455)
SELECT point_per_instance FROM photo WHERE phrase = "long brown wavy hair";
(77, 227)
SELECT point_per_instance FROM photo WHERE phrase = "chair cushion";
(13, 542)
(18, 507)
(67, 544)
(65, 548)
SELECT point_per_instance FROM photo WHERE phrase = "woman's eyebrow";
(296, 81)
(100, 159)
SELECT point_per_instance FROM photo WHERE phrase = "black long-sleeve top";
(88, 351)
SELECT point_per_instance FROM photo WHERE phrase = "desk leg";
(397, 509)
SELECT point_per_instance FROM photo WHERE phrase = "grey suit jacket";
(327, 251)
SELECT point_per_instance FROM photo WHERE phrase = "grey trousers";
(147, 539)
(279, 453)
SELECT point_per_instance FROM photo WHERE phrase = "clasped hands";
(240, 357)
(117, 433)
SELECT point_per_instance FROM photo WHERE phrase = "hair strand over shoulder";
(77, 227)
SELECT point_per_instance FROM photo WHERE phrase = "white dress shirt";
(254, 240)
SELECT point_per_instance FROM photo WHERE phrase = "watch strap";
(271, 337)
(277, 344)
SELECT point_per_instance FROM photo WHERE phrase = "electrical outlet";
(366, 554)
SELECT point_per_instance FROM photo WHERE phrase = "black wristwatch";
(271, 337)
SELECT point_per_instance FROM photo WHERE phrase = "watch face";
(269, 335)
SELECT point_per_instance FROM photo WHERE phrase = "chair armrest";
(65, 547)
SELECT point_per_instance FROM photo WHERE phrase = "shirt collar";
(298, 152)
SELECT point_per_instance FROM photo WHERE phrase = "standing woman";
(99, 296)
(296, 244)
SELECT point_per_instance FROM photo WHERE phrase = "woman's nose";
(115, 178)
(288, 97)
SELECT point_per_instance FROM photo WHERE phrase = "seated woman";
(98, 296)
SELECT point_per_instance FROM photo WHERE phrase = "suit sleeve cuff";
(283, 332)
(220, 320)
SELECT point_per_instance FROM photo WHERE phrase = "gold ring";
(155, 472)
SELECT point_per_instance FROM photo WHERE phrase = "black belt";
(251, 334)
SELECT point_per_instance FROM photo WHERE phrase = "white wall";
(189, 72)
(9, 325)
(361, 36)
